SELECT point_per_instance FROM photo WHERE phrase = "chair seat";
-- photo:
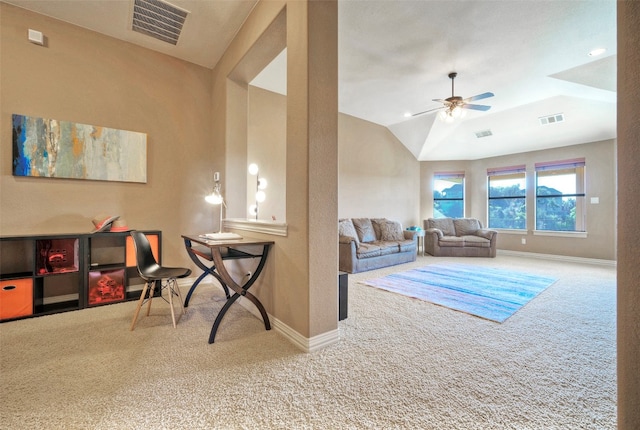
(157, 273)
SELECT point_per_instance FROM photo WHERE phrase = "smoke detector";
(158, 19)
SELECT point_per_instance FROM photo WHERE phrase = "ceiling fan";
(453, 105)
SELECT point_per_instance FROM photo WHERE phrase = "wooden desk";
(216, 251)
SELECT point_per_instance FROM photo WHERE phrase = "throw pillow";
(365, 229)
(376, 225)
(466, 226)
(346, 228)
(443, 224)
(391, 231)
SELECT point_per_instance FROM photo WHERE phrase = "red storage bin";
(16, 298)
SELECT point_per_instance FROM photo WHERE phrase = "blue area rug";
(493, 294)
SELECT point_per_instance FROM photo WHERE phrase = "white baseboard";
(306, 344)
(569, 259)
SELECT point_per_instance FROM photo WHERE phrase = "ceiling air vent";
(551, 119)
(158, 19)
(483, 133)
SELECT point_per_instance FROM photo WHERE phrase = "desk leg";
(239, 291)
(205, 271)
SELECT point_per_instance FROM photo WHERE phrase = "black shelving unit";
(45, 274)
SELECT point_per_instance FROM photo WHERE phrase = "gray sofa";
(459, 237)
(371, 243)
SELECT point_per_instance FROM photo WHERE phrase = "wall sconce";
(215, 198)
(261, 185)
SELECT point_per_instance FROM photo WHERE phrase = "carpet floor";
(400, 363)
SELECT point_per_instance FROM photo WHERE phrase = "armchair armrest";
(434, 232)
(486, 233)
(410, 234)
(346, 239)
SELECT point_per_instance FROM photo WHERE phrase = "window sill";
(509, 230)
(573, 234)
(257, 226)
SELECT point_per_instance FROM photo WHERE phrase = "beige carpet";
(401, 364)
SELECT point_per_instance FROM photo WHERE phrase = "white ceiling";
(394, 57)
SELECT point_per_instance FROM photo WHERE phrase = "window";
(507, 197)
(560, 197)
(448, 195)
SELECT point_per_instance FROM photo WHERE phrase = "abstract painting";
(62, 149)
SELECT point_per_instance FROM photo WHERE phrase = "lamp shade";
(214, 198)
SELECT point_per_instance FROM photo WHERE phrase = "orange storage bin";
(131, 250)
(16, 298)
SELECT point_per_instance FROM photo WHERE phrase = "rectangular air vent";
(483, 133)
(551, 119)
(158, 19)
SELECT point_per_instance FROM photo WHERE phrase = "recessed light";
(597, 52)
(407, 114)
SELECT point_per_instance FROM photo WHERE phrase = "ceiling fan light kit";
(453, 106)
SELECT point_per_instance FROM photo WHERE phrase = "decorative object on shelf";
(61, 149)
(261, 185)
(106, 286)
(103, 222)
(119, 226)
(57, 256)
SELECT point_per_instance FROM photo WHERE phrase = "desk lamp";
(215, 198)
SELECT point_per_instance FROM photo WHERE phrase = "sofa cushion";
(451, 241)
(443, 224)
(407, 245)
(391, 230)
(364, 228)
(476, 241)
(387, 248)
(466, 226)
(367, 250)
(346, 228)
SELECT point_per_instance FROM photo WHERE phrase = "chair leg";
(179, 294)
(135, 315)
(171, 283)
(151, 293)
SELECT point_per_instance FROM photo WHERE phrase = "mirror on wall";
(266, 142)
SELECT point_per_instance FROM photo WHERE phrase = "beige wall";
(301, 295)
(85, 77)
(600, 242)
(378, 176)
(629, 207)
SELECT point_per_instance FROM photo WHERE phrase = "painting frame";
(52, 148)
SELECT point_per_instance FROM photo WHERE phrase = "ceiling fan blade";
(479, 97)
(427, 111)
(476, 107)
(439, 100)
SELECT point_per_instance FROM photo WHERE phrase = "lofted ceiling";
(394, 58)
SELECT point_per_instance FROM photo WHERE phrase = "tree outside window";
(560, 195)
(507, 197)
(448, 195)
